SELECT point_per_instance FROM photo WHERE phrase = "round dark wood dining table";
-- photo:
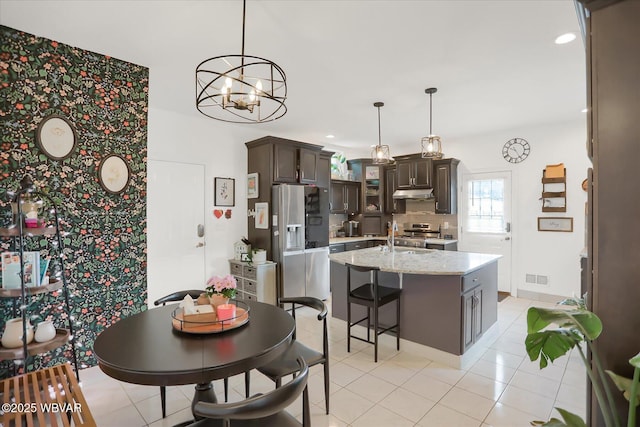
(145, 349)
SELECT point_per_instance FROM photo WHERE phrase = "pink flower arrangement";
(225, 286)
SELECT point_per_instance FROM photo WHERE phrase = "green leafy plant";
(577, 326)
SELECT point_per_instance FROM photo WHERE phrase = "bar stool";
(373, 296)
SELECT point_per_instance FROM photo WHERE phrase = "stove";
(416, 236)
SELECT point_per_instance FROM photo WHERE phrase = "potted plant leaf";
(576, 326)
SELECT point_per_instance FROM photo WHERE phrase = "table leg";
(204, 393)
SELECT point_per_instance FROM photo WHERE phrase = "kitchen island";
(449, 299)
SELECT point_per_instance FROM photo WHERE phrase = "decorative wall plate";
(56, 137)
(114, 174)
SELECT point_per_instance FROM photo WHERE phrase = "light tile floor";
(503, 388)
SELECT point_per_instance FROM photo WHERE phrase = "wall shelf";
(62, 337)
(554, 192)
(18, 238)
(54, 285)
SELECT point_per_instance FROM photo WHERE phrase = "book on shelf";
(34, 269)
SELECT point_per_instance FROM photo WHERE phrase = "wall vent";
(531, 278)
(542, 280)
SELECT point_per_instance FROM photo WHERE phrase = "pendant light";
(241, 88)
(431, 145)
(380, 153)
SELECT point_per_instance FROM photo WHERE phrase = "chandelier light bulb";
(228, 82)
(259, 87)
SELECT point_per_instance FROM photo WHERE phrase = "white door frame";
(496, 242)
(170, 270)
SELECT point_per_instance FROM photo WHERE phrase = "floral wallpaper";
(106, 101)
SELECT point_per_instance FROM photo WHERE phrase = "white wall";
(553, 254)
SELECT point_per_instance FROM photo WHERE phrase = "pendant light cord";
(379, 138)
(430, 114)
(244, 14)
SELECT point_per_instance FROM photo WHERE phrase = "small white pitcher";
(46, 331)
(12, 336)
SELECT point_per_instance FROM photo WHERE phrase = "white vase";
(12, 336)
(46, 331)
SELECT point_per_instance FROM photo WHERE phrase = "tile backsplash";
(424, 211)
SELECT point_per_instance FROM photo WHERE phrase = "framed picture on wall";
(114, 174)
(224, 193)
(252, 186)
(56, 137)
(262, 215)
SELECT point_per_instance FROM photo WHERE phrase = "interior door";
(486, 219)
(175, 228)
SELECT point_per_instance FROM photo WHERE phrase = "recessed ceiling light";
(330, 136)
(565, 38)
(584, 110)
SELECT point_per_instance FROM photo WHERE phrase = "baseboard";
(538, 296)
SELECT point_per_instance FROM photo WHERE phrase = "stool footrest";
(381, 330)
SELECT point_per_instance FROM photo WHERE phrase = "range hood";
(424, 193)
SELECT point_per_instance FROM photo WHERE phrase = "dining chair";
(179, 296)
(286, 364)
(373, 296)
(261, 410)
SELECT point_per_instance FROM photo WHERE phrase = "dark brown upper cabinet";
(308, 166)
(295, 165)
(445, 183)
(345, 197)
(372, 189)
(413, 171)
(285, 163)
(324, 169)
(392, 205)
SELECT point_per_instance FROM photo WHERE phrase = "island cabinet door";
(471, 317)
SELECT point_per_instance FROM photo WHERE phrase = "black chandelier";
(241, 88)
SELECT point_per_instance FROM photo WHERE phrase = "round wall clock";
(113, 174)
(56, 137)
(516, 150)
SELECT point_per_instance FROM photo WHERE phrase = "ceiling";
(494, 63)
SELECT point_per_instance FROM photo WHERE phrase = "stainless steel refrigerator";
(301, 239)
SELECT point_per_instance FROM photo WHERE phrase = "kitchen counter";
(416, 261)
(449, 299)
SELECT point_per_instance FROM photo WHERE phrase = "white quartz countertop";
(416, 261)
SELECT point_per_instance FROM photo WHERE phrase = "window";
(485, 201)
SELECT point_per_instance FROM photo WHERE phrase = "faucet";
(393, 228)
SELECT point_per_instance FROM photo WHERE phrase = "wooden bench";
(49, 396)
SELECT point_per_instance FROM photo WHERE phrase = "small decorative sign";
(548, 223)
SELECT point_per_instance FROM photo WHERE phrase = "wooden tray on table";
(206, 326)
